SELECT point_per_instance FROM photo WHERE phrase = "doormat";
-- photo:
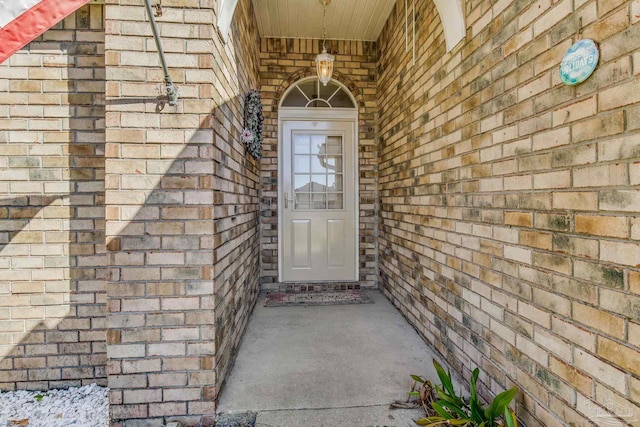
(282, 299)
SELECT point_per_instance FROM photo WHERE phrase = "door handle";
(287, 199)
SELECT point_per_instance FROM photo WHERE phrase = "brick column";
(159, 196)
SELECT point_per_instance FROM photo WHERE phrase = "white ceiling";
(346, 19)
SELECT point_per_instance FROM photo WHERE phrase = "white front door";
(318, 201)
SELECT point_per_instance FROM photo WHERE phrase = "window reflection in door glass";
(319, 183)
(317, 144)
(302, 164)
(318, 201)
(334, 201)
(318, 172)
(334, 145)
(303, 201)
(302, 144)
(334, 183)
(302, 183)
(318, 164)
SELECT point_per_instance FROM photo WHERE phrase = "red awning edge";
(32, 23)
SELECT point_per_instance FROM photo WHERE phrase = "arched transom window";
(310, 93)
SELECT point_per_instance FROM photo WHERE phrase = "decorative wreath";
(253, 123)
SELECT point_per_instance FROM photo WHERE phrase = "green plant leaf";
(503, 399)
(441, 411)
(418, 379)
(473, 383)
(414, 393)
(430, 421)
(510, 418)
(454, 401)
(445, 378)
(461, 422)
(477, 413)
(445, 397)
(453, 407)
(442, 395)
(500, 403)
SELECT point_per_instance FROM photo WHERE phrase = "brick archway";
(278, 77)
(309, 72)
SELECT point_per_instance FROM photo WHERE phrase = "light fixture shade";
(324, 65)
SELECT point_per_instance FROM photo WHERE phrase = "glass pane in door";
(318, 172)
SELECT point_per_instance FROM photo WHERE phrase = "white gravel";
(86, 406)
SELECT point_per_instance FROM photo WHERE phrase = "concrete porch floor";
(338, 365)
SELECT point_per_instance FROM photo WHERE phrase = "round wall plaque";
(579, 62)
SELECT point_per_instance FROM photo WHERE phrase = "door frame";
(292, 114)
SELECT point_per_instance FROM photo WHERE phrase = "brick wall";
(181, 197)
(282, 63)
(52, 254)
(509, 229)
(237, 239)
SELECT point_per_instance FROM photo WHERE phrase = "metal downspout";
(172, 90)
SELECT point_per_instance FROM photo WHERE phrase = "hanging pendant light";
(324, 60)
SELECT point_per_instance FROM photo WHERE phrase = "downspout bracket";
(170, 87)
